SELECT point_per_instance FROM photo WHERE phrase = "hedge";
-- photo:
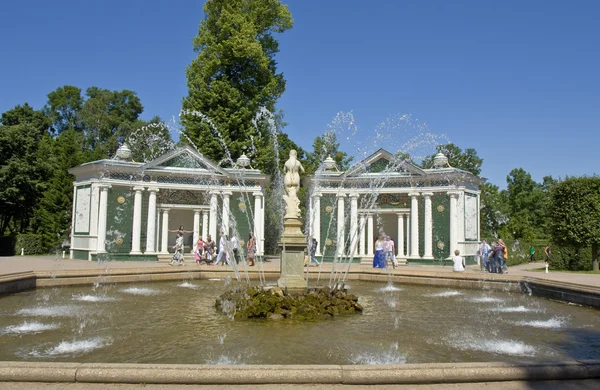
(7, 245)
(33, 244)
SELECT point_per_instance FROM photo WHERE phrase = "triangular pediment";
(186, 158)
(384, 161)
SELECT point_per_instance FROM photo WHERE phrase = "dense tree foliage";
(575, 214)
(233, 77)
(37, 147)
(324, 146)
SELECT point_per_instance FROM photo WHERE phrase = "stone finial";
(124, 153)
(440, 160)
(330, 164)
(243, 161)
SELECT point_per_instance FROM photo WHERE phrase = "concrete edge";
(428, 373)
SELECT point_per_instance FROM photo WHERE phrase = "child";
(459, 263)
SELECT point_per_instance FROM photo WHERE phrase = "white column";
(261, 243)
(73, 215)
(225, 221)
(257, 226)
(212, 229)
(414, 225)
(196, 228)
(136, 234)
(340, 225)
(102, 216)
(353, 224)
(204, 224)
(407, 235)
(370, 235)
(94, 202)
(164, 247)
(400, 240)
(428, 227)
(317, 222)
(151, 225)
(361, 228)
(453, 222)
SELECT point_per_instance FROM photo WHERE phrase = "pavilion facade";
(123, 210)
(427, 212)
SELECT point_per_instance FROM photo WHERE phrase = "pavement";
(15, 264)
(588, 384)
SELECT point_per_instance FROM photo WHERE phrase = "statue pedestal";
(292, 247)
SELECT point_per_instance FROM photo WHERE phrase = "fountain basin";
(176, 322)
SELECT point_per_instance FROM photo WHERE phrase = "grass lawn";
(571, 272)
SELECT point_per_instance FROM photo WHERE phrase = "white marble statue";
(291, 181)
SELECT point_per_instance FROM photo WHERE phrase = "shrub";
(7, 245)
(570, 258)
(32, 243)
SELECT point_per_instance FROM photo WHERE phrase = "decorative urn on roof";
(124, 153)
(329, 164)
(440, 160)
(243, 161)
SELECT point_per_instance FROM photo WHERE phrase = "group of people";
(493, 258)
(204, 250)
(384, 252)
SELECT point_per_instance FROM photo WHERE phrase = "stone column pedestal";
(292, 247)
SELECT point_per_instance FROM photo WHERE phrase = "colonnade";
(362, 232)
(209, 220)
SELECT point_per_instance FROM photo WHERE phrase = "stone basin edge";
(426, 373)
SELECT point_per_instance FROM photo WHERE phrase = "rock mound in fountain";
(276, 304)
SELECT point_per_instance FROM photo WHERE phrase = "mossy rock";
(242, 302)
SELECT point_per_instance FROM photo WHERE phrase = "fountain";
(407, 318)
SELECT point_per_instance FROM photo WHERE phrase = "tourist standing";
(182, 231)
(312, 250)
(251, 250)
(235, 244)
(484, 253)
(199, 252)
(222, 249)
(379, 258)
(459, 262)
(498, 258)
(388, 249)
(531, 253)
(209, 249)
(548, 253)
(504, 258)
(178, 255)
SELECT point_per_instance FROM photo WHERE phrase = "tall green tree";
(324, 146)
(234, 75)
(108, 118)
(64, 108)
(575, 214)
(525, 199)
(22, 173)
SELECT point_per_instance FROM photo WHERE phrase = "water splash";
(553, 323)
(513, 309)
(93, 298)
(389, 288)
(141, 291)
(187, 284)
(391, 356)
(501, 347)
(51, 311)
(29, 328)
(73, 348)
(451, 293)
(485, 299)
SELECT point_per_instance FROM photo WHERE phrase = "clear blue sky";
(519, 81)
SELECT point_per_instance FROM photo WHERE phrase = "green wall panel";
(328, 225)
(80, 254)
(440, 205)
(120, 220)
(241, 208)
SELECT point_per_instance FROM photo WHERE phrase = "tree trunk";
(595, 257)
